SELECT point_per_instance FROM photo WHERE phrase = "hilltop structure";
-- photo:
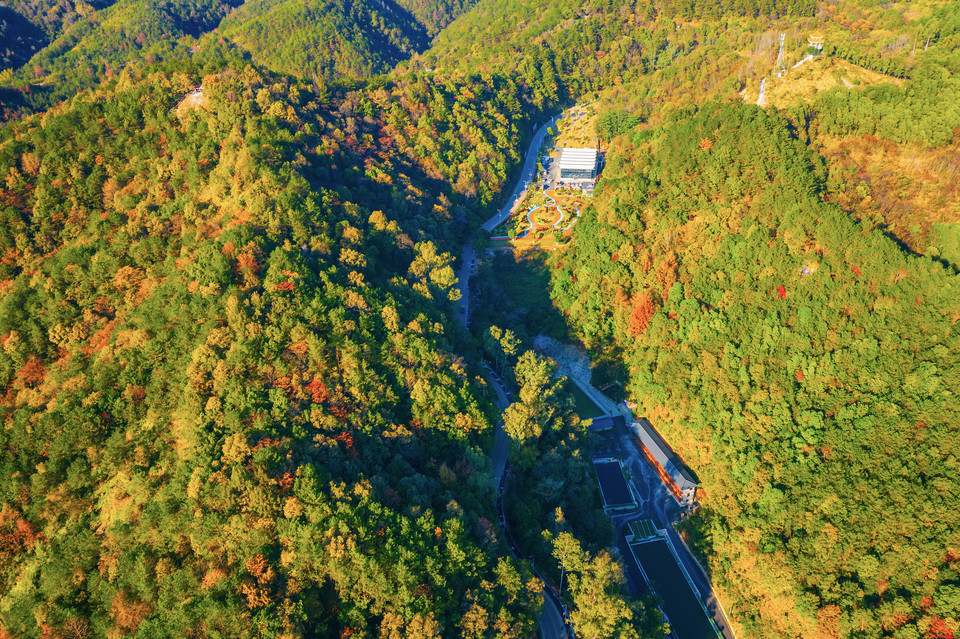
(816, 40)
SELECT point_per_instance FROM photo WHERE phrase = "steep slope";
(26, 26)
(325, 38)
(20, 39)
(435, 15)
(332, 39)
(894, 151)
(800, 361)
(322, 39)
(231, 400)
(103, 42)
(53, 17)
(565, 50)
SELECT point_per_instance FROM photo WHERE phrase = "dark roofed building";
(614, 489)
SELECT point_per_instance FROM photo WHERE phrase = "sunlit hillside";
(802, 83)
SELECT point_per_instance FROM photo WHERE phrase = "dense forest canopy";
(803, 363)
(325, 38)
(238, 399)
(228, 371)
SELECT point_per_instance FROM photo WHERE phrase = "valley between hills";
(479, 318)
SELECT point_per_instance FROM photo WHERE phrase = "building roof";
(816, 36)
(667, 459)
(578, 159)
(613, 487)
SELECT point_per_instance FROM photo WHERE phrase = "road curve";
(526, 176)
(469, 254)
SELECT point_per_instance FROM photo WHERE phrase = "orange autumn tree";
(642, 310)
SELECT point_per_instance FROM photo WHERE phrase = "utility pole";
(781, 66)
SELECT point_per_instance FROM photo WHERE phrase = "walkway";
(760, 100)
(531, 226)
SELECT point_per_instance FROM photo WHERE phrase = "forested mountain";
(26, 26)
(54, 16)
(325, 39)
(634, 59)
(803, 363)
(103, 42)
(780, 288)
(434, 15)
(236, 398)
(232, 401)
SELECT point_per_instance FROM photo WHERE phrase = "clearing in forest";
(577, 129)
(192, 100)
(803, 83)
(544, 220)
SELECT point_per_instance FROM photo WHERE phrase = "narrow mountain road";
(501, 446)
(469, 255)
(463, 280)
(550, 620)
(527, 174)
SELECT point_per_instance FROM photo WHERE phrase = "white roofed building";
(578, 165)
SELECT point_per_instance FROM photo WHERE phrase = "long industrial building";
(665, 462)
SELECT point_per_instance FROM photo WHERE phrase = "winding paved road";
(552, 625)
(526, 176)
(469, 254)
(655, 502)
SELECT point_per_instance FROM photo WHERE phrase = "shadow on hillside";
(697, 532)
(514, 293)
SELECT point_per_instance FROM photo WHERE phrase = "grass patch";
(820, 74)
(584, 406)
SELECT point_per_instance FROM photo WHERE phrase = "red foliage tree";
(348, 442)
(938, 629)
(318, 391)
(641, 313)
(32, 373)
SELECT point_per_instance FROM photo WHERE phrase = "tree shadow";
(697, 531)
(514, 292)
